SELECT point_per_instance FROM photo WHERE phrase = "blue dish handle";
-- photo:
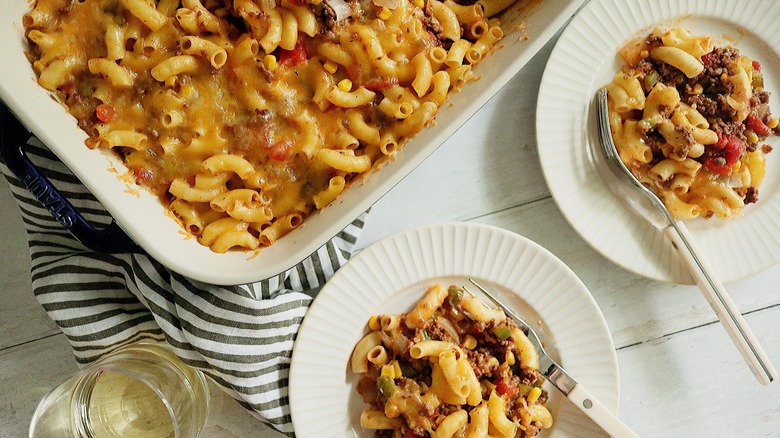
(13, 138)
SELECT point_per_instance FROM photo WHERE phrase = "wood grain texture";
(680, 375)
(21, 317)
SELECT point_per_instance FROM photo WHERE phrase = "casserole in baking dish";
(527, 27)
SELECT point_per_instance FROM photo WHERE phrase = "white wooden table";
(680, 376)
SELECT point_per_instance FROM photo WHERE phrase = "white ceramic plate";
(585, 59)
(391, 275)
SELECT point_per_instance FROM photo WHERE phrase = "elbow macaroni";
(452, 354)
(247, 116)
(687, 118)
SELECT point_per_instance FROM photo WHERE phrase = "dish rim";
(163, 238)
(319, 359)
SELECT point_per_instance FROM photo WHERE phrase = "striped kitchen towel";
(240, 336)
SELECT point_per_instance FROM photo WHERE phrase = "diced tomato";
(504, 387)
(715, 166)
(280, 150)
(756, 66)
(143, 176)
(756, 125)
(707, 59)
(105, 112)
(379, 84)
(720, 158)
(290, 58)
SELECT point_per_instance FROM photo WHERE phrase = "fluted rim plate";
(392, 274)
(584, 59)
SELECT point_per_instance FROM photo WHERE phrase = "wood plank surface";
(680, 375)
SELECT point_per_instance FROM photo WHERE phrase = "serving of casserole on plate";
(390, 277)
(737, 247)
(158, 228)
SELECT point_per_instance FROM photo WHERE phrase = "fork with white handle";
(697, 265)
(565, 383)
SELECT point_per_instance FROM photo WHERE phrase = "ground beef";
(432, 25)
(706, 106)
(751, 196)
(653, 40)
(326, 16)
(727, 112)
(728, 128)
(713, 86)
(484, 334)
(760, 97)
(528, 376)
(655, 141)
(85, 106)
(682, 150)
(479, 361)
(436, 331)
(716, 62)
(254, 136)
(710, 100)
(644, 66)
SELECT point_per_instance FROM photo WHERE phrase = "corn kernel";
(772, 124)
(373, 322)
(269, 61)
(419, 3)
(644, 54)
(698, 89)
(534, 394)
(345, 85)
(493, 362)
(510, 358)
(751, 137)
(384, 13)
(330, 66)
(469, 342)
(388, 371)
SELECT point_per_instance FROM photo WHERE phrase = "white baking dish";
(143, 217)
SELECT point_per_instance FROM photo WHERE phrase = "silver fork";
(560, 379)
(682, 240)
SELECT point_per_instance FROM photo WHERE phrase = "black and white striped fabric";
(241, 336)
